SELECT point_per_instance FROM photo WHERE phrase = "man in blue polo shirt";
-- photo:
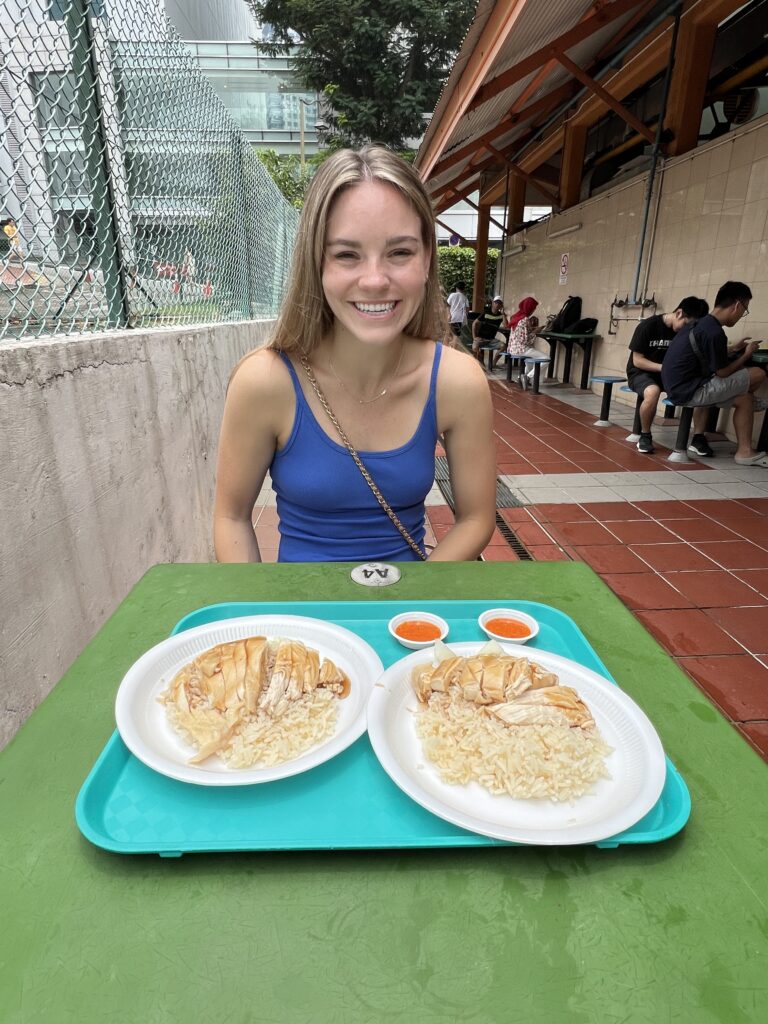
(701, 370)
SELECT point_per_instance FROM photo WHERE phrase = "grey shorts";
(718, 390)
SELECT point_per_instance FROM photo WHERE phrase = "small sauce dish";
(508, 625)
(417, 630)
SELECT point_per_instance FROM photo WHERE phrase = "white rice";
(264, 740)
(545, 762)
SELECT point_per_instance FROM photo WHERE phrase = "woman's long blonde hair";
(305, 316)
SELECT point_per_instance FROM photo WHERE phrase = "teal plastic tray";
(345, 804)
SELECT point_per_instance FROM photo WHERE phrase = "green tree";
(381, 65)
(457, 263)
(286, 172)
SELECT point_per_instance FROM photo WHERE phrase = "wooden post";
(689, 84)
(572, 166)
(515, 203)
(481, 257)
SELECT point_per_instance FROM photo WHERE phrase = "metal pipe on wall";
(655, 151)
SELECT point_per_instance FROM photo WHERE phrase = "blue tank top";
(326, 510)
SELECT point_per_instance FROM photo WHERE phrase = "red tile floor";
(684, 567)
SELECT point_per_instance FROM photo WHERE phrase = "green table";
(568, 341)
(672, 932)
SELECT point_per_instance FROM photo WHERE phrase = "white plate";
(147, 733)
(636, 765)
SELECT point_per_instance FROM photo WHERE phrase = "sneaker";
(523, 382)
(699, 445)
(645, 444)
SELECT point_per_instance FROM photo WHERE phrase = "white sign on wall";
(564, 268)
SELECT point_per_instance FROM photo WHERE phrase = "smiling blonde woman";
(353, 364)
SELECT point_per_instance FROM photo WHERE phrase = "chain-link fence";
(128, 196)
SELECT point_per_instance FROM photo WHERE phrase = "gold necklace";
(368, 401)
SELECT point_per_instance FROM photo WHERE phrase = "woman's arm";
(465, 418)
(247, 444)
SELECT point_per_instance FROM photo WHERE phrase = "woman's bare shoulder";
(260, 372)
(463, 393)
(460, 369)
(260, 392)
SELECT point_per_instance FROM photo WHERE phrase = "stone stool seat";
(605, 408)
(669, 413)
(536, 362)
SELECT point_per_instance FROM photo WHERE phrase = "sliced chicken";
(287, 679)
(428, 679)
(515, 713)
(570, 708)
(213, 695)
(483, 678)
(566, 699)
(332, 678)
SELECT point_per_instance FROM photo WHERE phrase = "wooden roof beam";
(501, 23)
(541, 106)
(583, 30)
(484, 205)
(451, 231)
(543, 73)
(521, 173)
(609, 100)
(629, 25)
(646, 61)
(455, 185)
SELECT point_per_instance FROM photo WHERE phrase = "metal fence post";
(245, 225)
(94, 135)
(128, 194)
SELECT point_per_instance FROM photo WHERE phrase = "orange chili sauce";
(511, 628)
(417, 629)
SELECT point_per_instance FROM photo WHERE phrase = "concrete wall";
(708, 224)
(109, 447)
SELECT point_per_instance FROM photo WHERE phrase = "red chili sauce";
(512, 629)
(418, 629)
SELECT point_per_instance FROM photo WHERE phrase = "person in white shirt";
(457, 307)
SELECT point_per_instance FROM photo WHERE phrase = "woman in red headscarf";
(523, 326)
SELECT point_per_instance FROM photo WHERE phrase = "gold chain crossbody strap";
(358, 462)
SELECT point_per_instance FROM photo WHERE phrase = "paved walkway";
(684, 546)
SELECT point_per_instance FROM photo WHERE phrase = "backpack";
(568, 315)
(585, 326)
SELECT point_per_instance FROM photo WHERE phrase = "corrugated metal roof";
(536, 25)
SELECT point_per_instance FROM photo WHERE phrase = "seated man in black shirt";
(701, 370)
(486, 327)
(647, 349)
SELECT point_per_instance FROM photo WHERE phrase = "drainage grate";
(442, 479)
(504, 499)
(512, 539)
